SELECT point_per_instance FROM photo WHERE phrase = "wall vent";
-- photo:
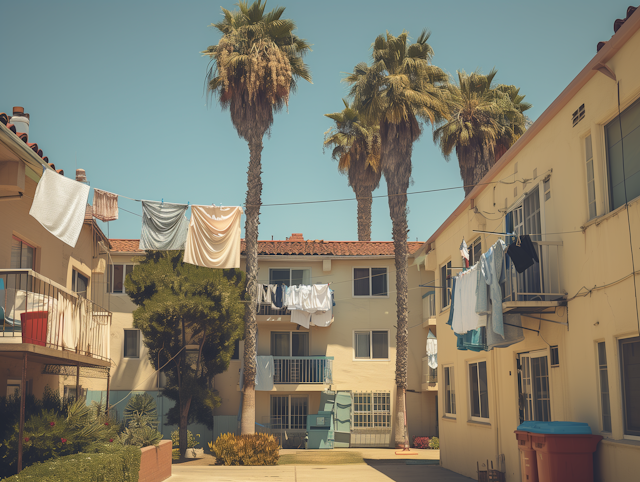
(578, 115)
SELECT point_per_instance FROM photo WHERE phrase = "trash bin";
(34, 327)
(528, 461)
(564, 450)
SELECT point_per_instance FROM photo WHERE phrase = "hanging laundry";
(465, 317)
(513, 332)
(451, 303)
(491, 264)
(300, 317)
(464, 251)
(474, 340)
(59, 205)
(523, 253)
(278, 298)
(164, 226)
(482, 293)
(324, 318)
(213, 240)
(432, 350)
(105, 205)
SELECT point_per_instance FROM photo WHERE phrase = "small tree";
(190, 318)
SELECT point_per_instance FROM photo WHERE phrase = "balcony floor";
(532, 306)
(43, 354)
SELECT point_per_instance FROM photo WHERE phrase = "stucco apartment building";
(353, 357)
(46, 283)
(571, 182)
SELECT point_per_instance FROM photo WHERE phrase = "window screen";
(22, 254)
(362, 345)
(630, 360)
(604, 387)
(379, 281)
(361, 282)
(478, 390)
(118, 277)
(380, 344)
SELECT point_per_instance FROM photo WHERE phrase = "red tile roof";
(298, 248)
(126, 245)
(24, 137)
(617, 24)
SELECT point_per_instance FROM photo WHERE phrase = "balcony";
(267, 313)
(429, 309)
(56, 325)
(429, 376)
(317, 370)
(537, 289)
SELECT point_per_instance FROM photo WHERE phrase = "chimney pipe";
(81, 175)
(20, 120)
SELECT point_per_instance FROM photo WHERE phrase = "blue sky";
(116, 88)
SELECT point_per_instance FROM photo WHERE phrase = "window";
(371, 345)
(117, 274)
(626, 147)
(604, 387)
(70, 392)
(630, 368)
(555, 356)
(132, 343)
(371, 410)
(23, 255)
(236, 350)
(475, 251)
(290, 343)
(290, 277)
(546, 187)
(79, 283)
(445, 284)
(370, 282)
(449, 391)
(478, 391)
(591, 183)
(13, 388)
(533, 383)
(289, 412)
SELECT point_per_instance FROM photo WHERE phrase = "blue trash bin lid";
(556, 428)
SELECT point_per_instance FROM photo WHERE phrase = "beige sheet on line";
(213, 240)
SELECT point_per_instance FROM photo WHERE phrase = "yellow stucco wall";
(597, 255)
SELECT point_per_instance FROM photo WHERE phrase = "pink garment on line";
(105, 205)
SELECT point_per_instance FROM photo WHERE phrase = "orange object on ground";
(564, 458)
(34, 327)
(528, 459)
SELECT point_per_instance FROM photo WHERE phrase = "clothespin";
(162, 202)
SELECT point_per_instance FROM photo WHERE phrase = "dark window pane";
(379, 281)
(484, 392)
(81, 283)
(475, 392)
(362, 345)
(280, 344)
(277, 276)
(629, 122)
(131, 343)
(631, 382)
(236, 350)
(117, 278)
(299, 344)
(380, 342)
(298, 277)
(361, 282)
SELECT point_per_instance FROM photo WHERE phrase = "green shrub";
(192, 441)
(140, 433)
(113, 463)
(254, 449)
(140, 405)
(434, 443)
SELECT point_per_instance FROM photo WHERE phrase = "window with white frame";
(132, 343)
(630, 368)
(478, 391)
(371, 410)
(603, 373)
(289, 343)
(290, 277)
(371, 345)
(289, 412)
(370, 282)
(475, 251)
(79, 283)
(23, 255)
(591, 183)
(445, 285)
(117, 274)
(449, 391)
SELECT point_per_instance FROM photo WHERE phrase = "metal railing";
(303, 369)
(540, 282)
(429, 305)
(37, 310)
(265, 309)
(429, 375)
(291, 435)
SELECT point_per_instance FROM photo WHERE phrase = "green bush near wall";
(111, 463)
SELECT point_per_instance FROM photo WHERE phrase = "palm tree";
(400, 89)
(356, 147)
(484, 121)
(254, 68)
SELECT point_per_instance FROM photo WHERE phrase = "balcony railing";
(540, 282)
(267, 310)
(303, 369)
(36, 310)
(429, 375)
(429, 305)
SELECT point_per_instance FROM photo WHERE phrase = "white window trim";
(471, 417)
(444, 388)
(74, 281)
(303, 268)
(621, 387)
(139, 343)
(443, 286)
(112, 277)
(353, 282)
(372, 412)
(308, 332)
(370, 359)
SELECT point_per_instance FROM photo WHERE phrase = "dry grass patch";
(330, 457)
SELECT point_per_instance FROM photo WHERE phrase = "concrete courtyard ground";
(380, 465)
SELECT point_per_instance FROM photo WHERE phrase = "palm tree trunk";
(365, 199)
(475, 162)
(254, 200)
(397, 189)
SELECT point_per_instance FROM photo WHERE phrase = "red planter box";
(155, 462)
(34, 327)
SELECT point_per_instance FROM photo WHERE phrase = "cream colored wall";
(597, 256)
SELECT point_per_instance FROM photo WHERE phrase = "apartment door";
(533, 386)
